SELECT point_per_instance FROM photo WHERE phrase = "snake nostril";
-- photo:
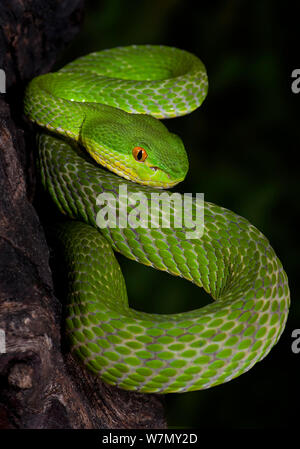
(154, 168)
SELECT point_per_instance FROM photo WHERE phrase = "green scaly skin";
(232, 261)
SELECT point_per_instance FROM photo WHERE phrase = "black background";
(243, 146)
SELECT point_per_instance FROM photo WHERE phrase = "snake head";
(135, 146)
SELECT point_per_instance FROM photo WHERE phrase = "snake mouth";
(156, 184)
(126, 173)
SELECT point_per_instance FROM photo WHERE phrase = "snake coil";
(232, 261)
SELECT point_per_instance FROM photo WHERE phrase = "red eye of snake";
(139, 154)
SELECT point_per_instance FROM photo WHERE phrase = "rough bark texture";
(41, 386)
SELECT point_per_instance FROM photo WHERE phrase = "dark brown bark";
(41, 386)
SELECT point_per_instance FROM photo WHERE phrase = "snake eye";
(139, 154)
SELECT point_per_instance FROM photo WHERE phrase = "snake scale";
(110, 103)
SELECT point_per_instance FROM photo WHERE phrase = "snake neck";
(62, 116)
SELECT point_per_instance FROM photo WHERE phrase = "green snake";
(110, 103)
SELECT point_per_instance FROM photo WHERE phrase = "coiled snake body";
(103, 102)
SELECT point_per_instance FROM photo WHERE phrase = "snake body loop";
(232, 261)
